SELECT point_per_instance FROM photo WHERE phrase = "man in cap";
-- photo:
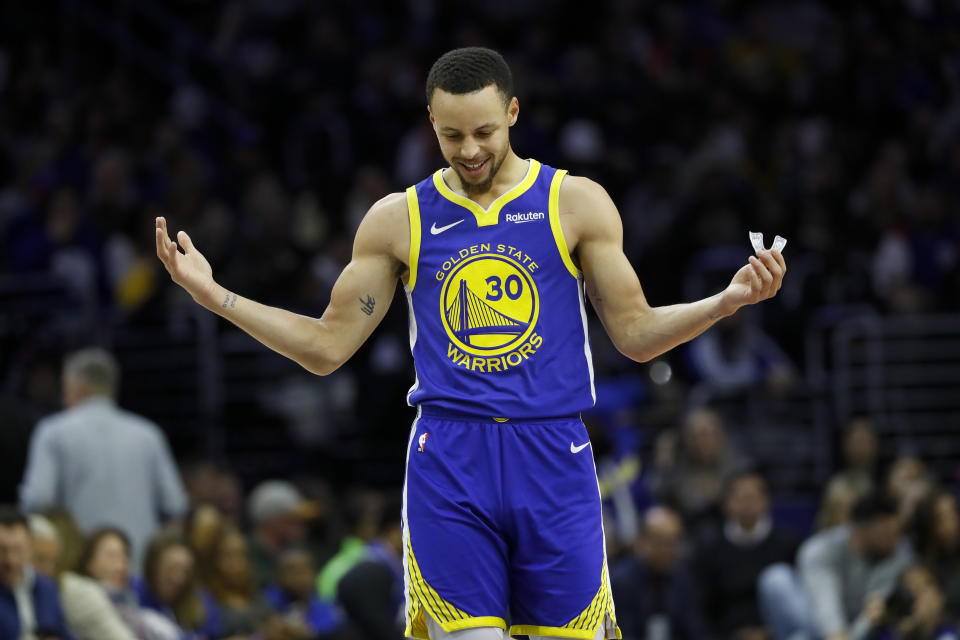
(278, 514)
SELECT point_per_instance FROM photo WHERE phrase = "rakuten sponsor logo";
(529, 216)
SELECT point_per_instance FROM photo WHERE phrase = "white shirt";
(737, 536)
(23, 595)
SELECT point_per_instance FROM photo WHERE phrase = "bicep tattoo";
(366, 306)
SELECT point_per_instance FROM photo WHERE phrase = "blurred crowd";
(113, 539)
(269, 129)
(121, 542)
(836, 125)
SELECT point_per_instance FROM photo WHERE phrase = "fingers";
(162, 240)
(755, 283)
(763, 273)
(779, 258)
(185, 241)
(774, 265)
(166, 248)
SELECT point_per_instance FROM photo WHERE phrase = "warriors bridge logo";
(489, 306)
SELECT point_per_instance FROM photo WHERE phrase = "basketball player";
(501, 505)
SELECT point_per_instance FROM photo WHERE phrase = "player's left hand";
(757, 280)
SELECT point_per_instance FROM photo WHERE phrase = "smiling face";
(473, 131)
(110, 562)
(174, 571)
(14, 553)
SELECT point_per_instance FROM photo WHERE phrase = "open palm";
(189, 269)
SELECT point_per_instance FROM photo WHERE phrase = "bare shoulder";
(586, 210)
(385, 229)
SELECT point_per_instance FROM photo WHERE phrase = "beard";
(482, 187)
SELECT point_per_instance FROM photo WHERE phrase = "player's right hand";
(189, 269)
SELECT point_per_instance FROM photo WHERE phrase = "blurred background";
(266, 128)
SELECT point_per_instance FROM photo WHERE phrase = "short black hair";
(470, 69)
(743, 473)
(10, 516)
(872, 506)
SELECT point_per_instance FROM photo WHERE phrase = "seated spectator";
(202, 528)
(89, 613)
(301, 613)
(936, 540)
(842, 575)
(729, 565)
(70, 540)
(29, 602)
(653, 588)
(691, 482)
(856, 478)
(105, 561)
(209, 483)
(838, 501)
(371, 592)
(226, 573)
(362, 511)
(44, 546)
(278, 514)
(907, 482)
(915, 610)
(170, 586)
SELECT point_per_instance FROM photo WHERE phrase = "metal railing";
(901, 371)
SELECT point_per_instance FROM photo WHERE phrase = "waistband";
(449, 414)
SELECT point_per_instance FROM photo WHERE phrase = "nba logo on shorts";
(422, 441)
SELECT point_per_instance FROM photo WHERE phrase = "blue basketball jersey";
(497, 319)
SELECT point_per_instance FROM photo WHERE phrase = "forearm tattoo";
(231, 300)
(367, 305)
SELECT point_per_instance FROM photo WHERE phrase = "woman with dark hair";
(226, 572)
(936, 539)
(105, 559)
(170, 586)
(914, 610)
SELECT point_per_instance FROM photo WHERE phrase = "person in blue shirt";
(294, 598)
(29, 602)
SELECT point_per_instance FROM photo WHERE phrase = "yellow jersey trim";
(554, 207)
(413, 213)
(554, 632)
(491, 215)
(473, 623)
(584, 625)
(423, 600)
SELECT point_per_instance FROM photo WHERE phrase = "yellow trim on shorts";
(423, 600)
(554, 208)
(491, 215)
(584, 625)
(413, 213)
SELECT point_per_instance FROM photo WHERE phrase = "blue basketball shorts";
(502, 522)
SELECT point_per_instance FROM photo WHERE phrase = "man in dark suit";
(729, 563)
(653, 588)
(29, 602)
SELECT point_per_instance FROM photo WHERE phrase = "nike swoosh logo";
(579, 448)
(435, 230)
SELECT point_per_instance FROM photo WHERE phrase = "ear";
(513, 111)
(433, 121)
